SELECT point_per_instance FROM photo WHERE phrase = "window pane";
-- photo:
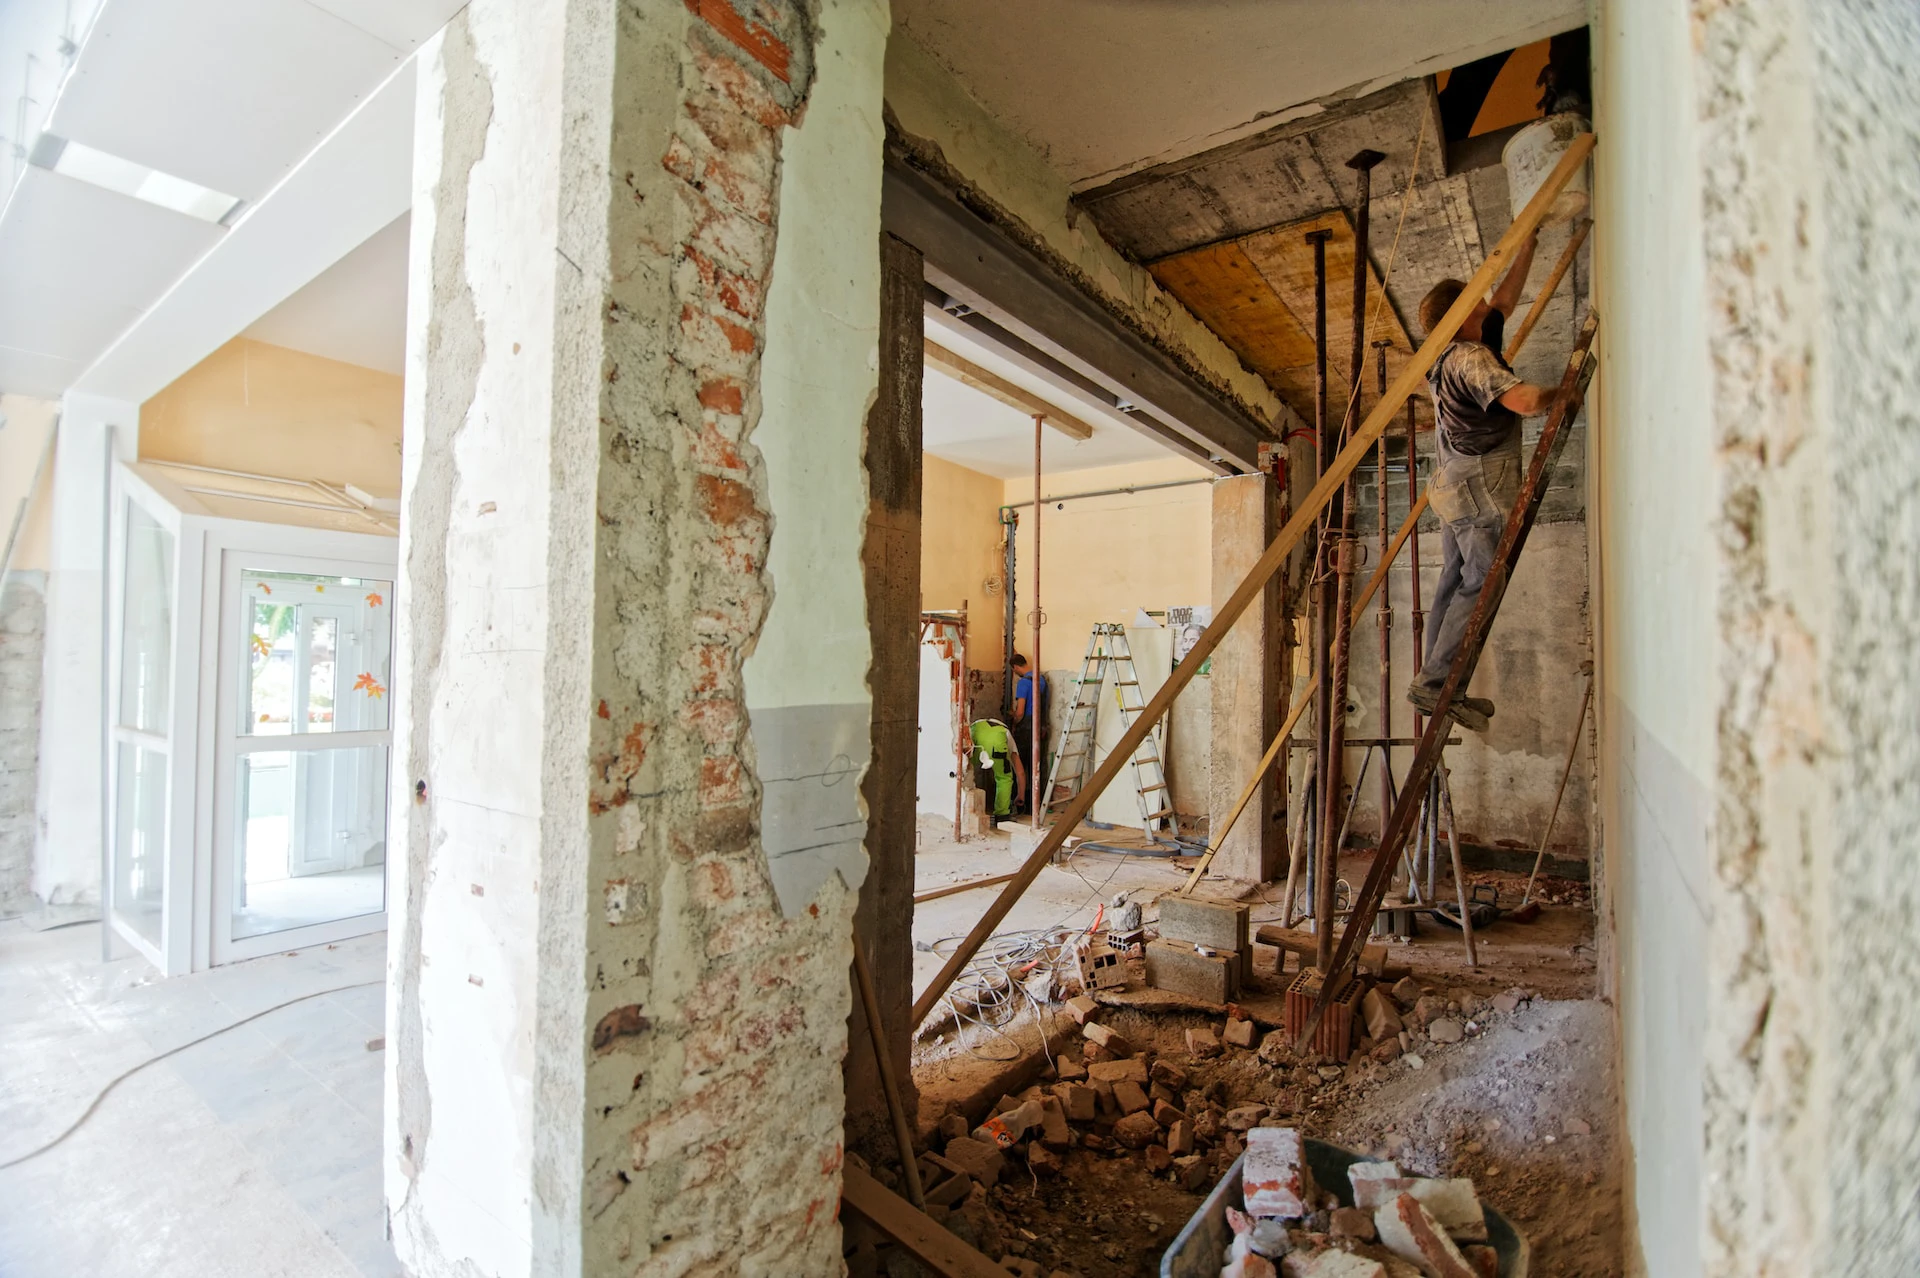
(146, 624)
(322, 649)
(319, 652)
(140, 839)
(311, 845)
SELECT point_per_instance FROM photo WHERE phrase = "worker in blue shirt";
(1025, 705)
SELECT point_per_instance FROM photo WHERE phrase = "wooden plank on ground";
(914, 1230)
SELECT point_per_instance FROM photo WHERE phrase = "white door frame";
(224, 740)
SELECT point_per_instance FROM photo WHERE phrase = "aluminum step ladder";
(1109, 652)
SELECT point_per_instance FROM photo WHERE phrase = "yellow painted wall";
(1104, 557)
(23, 441)
(274, 411)
(960, 549)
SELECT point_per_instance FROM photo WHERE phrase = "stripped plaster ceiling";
(1105, 87)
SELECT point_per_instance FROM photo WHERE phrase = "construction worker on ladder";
(1478, 402)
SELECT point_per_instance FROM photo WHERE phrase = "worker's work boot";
(1471, 713)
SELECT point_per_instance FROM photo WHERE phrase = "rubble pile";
(1398, 1226)
(1181, 1114)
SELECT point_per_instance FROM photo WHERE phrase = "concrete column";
(620, 938)
(92, 431)
(1246, 683)
(891, 556)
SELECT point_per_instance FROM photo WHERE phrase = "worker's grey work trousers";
(1472, 496)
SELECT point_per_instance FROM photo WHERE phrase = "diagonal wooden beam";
(968, 373)
(1548, 289)
(1358, 446)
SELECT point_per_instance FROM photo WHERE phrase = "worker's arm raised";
(1529, 400)
(1506, 297)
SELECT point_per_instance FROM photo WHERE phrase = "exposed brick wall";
(717, 1025)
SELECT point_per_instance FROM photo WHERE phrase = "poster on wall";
(1188, 624)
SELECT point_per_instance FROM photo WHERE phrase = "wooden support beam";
(926, 1241)
(1547, 290)
(968, 373)
(1358, 446)
(936, 893)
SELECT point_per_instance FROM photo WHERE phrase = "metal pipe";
(1111, 492)
(1459, 873)
(1034, 762)
(1319, 882)
(1011, 622)
(1384, 614)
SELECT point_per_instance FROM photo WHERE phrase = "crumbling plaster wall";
(1809, 124)
(945, 127)
(610, 1046)
(1757, 556)
(23, 633)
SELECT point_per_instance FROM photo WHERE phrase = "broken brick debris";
(1274, 1178)
(1410, 1232)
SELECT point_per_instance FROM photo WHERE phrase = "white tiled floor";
(255, 1153)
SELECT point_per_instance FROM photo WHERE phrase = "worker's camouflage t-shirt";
(1467, 382)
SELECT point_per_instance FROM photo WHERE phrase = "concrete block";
(1218, 925)
(1410, 1232)
(1275, 1180)
(1177, 966)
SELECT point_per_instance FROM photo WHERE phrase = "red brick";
(723, 395)
(720, 782)
(758, 43)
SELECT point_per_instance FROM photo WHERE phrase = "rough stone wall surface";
(23, 621)
(1768, 1051)
(612, 1050)
(1867, 110)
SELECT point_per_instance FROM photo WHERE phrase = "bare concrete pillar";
(1246, 682)
(884, 922)
(632, 713)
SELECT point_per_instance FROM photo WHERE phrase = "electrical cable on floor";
(122, 1077)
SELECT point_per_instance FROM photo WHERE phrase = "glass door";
(142, 731)
(303, 758)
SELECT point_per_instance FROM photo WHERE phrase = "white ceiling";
(354, 311)
(973, 429)
(1107, 86)
(231, 94)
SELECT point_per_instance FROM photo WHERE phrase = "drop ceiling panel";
(400, 23)
(79, 263)
(354, 311)
(226, 93)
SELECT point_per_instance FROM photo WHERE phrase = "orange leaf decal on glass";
(265, 589)
(319, 589)
(368, 684)
(260, 644)
(373, 601)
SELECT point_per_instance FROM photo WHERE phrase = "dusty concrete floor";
(1526, 1104)
(256, 1153)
